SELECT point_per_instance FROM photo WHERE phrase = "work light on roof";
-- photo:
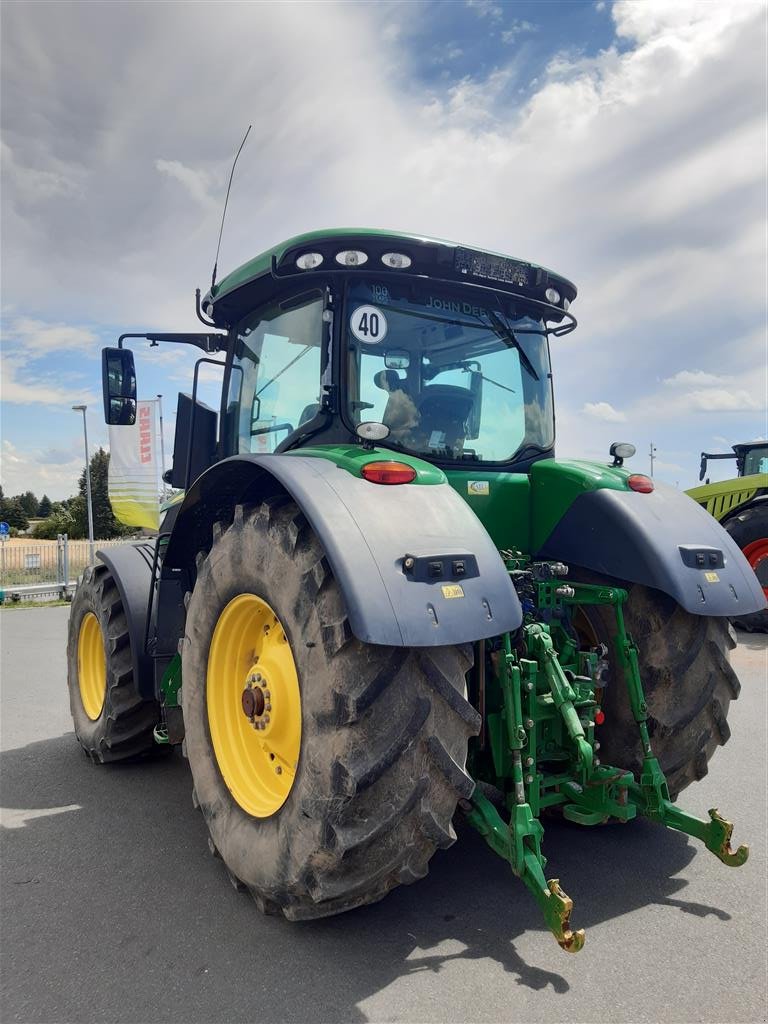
(396, 260)
(309, 260)
(351, 258)
(552, 295)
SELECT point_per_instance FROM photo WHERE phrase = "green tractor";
(381, 603)
(741, 506)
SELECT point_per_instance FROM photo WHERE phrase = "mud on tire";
(384, 732)
(125, 725)
(688, 681)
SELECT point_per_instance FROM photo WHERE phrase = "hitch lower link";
(592, 793)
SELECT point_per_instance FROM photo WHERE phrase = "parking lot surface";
(113, 909)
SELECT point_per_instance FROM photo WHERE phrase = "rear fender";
(656, 539)
(366, 531)
(131, 566)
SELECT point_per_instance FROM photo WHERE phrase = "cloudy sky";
(622, 144)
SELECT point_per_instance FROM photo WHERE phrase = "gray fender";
(655, 539)
(366, 531)
(131, 565)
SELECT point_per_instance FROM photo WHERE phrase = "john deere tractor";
(381, 601)
(741, 506)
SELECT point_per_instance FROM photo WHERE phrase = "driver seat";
(447, 410)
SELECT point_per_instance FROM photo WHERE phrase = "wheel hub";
(252, 701)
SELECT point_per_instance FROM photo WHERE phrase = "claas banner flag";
(133, 469)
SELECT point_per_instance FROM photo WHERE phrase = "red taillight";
(638, 482)
(388, 473)
(599, 717)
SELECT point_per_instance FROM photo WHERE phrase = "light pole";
(82, 408)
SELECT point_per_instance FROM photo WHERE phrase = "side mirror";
(118, 382)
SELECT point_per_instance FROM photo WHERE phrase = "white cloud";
(695, 378)
(20, 384)
(485, 9)
(35, 338)
(603, 411)
(196, 183)
(31, 469)
(517, 28)
(697, 391)
(719, 400)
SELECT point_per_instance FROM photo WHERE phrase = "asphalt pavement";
(114, 911)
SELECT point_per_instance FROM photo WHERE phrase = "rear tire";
(750, 531)
(383, 730)
(112, 720)
(688, 681)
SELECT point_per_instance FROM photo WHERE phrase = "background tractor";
(741, 506)
(381, 601)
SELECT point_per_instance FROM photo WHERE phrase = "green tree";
(104, 523)
(12, 512)
(45, 507)
(29, 503)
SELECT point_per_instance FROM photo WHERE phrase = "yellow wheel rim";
(254, 705)
(91, 666)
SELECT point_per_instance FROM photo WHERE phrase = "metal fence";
(38, 568)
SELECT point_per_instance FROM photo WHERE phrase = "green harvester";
(378, 602)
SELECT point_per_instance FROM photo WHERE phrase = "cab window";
(275, 378)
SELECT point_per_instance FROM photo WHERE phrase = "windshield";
(453, 376)
(756, 461)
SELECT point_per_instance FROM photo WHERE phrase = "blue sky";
(622, 144)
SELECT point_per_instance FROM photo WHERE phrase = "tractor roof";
(747, 446)
(233, 295)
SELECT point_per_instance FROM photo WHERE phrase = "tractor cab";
(751, 458)
(444, 346)
(453, 378)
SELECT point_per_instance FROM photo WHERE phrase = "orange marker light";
(388, 473)
(638, 482)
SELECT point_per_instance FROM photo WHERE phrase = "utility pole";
(652, 454)
(91, 560)
(162, 442)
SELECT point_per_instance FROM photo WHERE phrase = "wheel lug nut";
(267, 694)
(267, 707)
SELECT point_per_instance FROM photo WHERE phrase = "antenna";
(224, 214)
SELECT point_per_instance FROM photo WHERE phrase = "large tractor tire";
(112, 720)
(750, 531)
(327, 770)
(687, 678)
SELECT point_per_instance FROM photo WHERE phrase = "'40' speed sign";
(369, 325)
